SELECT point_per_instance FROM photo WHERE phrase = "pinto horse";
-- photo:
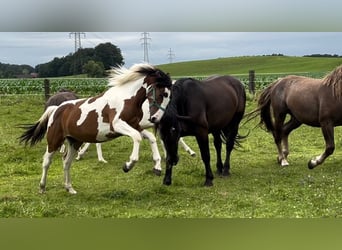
(198, 108)
(114, 113)
(314, 102)
(67, 95)
(57, 99)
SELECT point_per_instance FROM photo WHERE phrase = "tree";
(109, 55)
(94, 69)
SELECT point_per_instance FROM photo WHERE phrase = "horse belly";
(306, 114)
(104, 132)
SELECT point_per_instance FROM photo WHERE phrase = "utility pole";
(145, 38)
(77, 37)
(170, 55)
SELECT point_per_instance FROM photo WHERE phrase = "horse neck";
(131, 90)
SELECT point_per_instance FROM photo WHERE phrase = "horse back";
(214, 102)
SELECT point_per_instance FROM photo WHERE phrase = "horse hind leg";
(292, 124)
(218, 148)
(82, 151)
(99, 153)
(67, 160)
(47, 160)
(278, 138)
(186, 147)
(328, 134)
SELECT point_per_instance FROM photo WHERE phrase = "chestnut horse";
(114, 113)
(198, 108)
(314, 102)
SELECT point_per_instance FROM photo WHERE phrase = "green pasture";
(260, 64)
(257, 187)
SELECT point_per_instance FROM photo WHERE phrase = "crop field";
(257, 187)
(92, 86)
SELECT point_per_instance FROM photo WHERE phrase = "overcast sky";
(39, 47)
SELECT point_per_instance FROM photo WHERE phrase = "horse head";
(158, 95)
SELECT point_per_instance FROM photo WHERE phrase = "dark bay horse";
(57, 99)
(113, 113)
(314, 102)
(198, 108)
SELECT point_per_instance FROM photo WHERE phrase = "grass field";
(261, 65)
(257, 187)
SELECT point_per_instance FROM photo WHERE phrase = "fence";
(91, 86)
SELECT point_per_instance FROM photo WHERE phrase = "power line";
(170, 55)
(77, 37)
(145, 38)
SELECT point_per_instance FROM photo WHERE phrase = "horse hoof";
(311, 165)
(157, 172)
(193, 154)
(70, 190)
(284, 163)
(225, 173)
(125, 168)
(208, 183)
(42, 189)
(167, 182)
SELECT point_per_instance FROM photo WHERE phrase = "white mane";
(121, 75)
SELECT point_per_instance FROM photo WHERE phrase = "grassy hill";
(261, 64)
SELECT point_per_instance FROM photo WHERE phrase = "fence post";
(251, 84)
(47, 89)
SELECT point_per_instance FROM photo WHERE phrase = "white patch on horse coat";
(159, 114)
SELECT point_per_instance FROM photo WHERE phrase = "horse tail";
(34, 133)
(263, 110)
(264, 107)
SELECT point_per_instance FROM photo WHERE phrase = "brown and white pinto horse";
(57, 99)
(111, 114)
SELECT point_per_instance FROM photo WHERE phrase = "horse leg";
(47, 159)
(203, 143)
(231, 133)
(278, 135)
(186, 147)
(67, 160)
(168, 173)
(328, 134)
(218, 148)
(292, 124)
(99, 153)
(155, 152)
(124, 129)
(82, 150)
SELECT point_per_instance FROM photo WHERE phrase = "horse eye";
(165, 95)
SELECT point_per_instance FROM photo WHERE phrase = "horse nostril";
(153, 119)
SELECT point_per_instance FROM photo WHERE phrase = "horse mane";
(121, 75)
(334, 80)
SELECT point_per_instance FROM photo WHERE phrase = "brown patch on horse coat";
(132, 112)
(108, 115)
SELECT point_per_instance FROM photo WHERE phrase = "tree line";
(13, 70)
(92, 61)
